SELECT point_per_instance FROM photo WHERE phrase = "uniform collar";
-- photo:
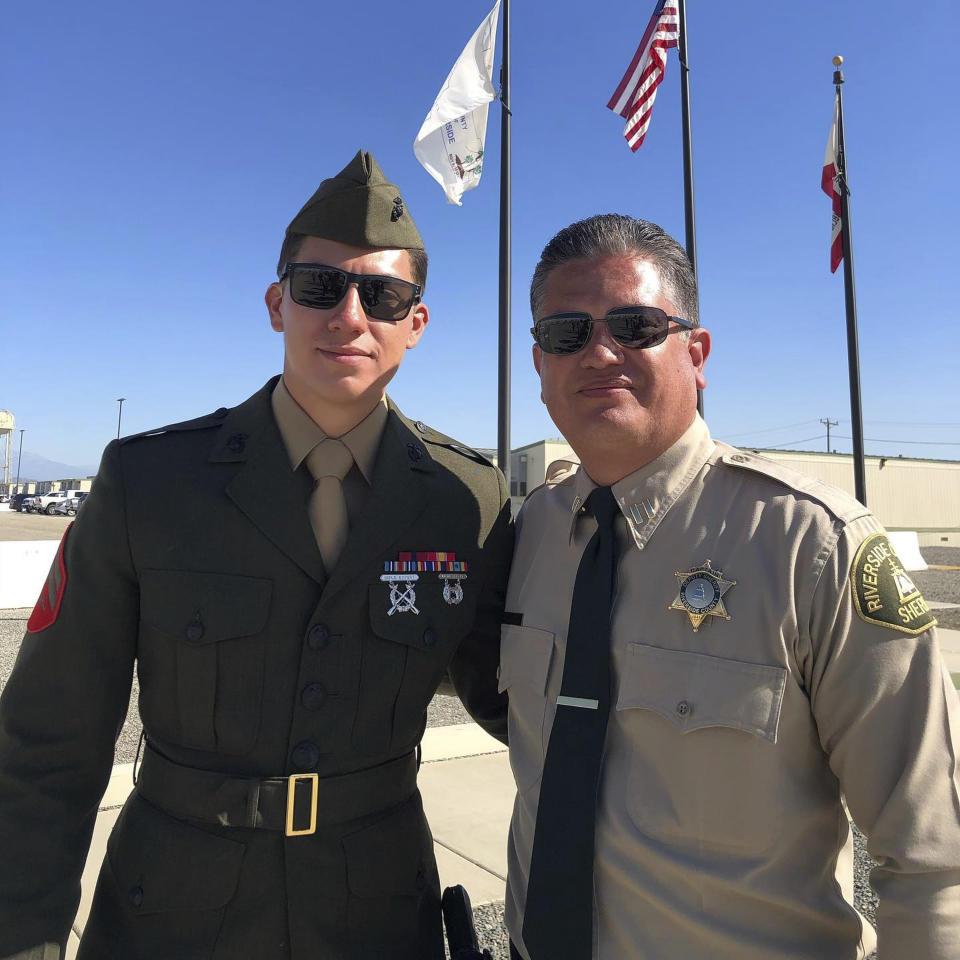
(645, 496)
(301, 434)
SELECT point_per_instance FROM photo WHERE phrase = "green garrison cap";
(361, 207)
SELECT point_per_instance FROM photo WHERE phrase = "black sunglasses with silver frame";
(634, 327)
(322, 287)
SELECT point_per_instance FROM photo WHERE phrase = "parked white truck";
(47, 502)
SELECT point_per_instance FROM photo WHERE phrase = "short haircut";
(293, 241)
(614, 234)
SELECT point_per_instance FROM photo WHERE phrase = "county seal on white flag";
(450, 142)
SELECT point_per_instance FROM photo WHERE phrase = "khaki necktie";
(329, 462)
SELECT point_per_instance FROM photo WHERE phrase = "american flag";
(633, 98)
(830, 184)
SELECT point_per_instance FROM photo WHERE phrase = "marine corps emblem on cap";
(701, 594)
(360, 207)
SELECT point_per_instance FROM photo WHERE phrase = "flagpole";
(691, 227)
(853, 353)
(503, 373)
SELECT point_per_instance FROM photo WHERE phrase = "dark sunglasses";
(321, 287)
(636, 328)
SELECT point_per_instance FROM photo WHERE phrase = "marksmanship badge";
(883, 593)
(452, 591)
(402, 595)
(701, 594)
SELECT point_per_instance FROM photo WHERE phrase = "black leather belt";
(294, 805)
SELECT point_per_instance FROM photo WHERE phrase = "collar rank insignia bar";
(701, 594)
(404, 572)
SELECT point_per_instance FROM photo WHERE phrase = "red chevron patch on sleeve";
(51, 596)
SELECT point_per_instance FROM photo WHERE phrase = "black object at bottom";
(458, 919)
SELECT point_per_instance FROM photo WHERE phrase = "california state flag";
(830, 182)
(450, 142)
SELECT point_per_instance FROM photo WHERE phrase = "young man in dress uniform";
(293, 578)
(739, 653)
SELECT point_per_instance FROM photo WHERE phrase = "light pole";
(19, 457)
(119, 414)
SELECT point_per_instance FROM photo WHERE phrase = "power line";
(928, 443)
(787, 443)
(752, 433)
(913, 423)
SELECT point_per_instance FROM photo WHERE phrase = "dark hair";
(614, 234)
(293, 241)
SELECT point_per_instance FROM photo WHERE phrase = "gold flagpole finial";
(837, 60)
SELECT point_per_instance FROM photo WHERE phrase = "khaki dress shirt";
(301, 434)
(721, 825)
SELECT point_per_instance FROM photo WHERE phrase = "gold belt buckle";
(314, 779)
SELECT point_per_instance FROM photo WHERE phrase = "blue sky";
(154, 154)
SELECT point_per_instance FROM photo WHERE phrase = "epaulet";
(560, 470)
(557, 473)
(836, 501)
(442, 440)
(198, 423)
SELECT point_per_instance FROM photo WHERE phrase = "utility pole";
(119, 414)
(503, 353)
(829, 423)
(19, 458)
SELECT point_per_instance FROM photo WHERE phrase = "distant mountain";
(33, 467)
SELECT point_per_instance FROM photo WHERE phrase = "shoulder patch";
(883, 593)
(51, 596)
(843, 506)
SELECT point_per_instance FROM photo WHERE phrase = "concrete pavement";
(460, 762)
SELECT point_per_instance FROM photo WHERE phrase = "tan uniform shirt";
(721, 831)
(301, 434)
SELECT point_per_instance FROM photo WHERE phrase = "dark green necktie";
(558, 917)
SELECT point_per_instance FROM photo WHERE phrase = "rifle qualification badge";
(403, 597)
(405, 570)
(701, 594)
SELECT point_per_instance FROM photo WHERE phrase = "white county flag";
(450, 142)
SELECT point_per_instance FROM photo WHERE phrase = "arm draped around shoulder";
(473, 669)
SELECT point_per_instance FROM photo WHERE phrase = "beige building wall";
(921, 495)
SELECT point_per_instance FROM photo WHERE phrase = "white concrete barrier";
(24, 565)
(907, 546)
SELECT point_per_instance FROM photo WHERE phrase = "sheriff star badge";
(701, 593)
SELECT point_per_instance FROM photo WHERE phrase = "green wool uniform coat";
(193, 559)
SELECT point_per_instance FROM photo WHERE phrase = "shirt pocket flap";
(525, 655)
(204, 608)
(170, 864)
(371, 872)
(427, 614)
(694, 690)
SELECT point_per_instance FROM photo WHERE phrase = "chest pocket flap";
(421, 614)
(525, 654)
(694, 690)
(204, 608)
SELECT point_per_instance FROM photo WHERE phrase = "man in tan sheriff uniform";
(769, 657)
